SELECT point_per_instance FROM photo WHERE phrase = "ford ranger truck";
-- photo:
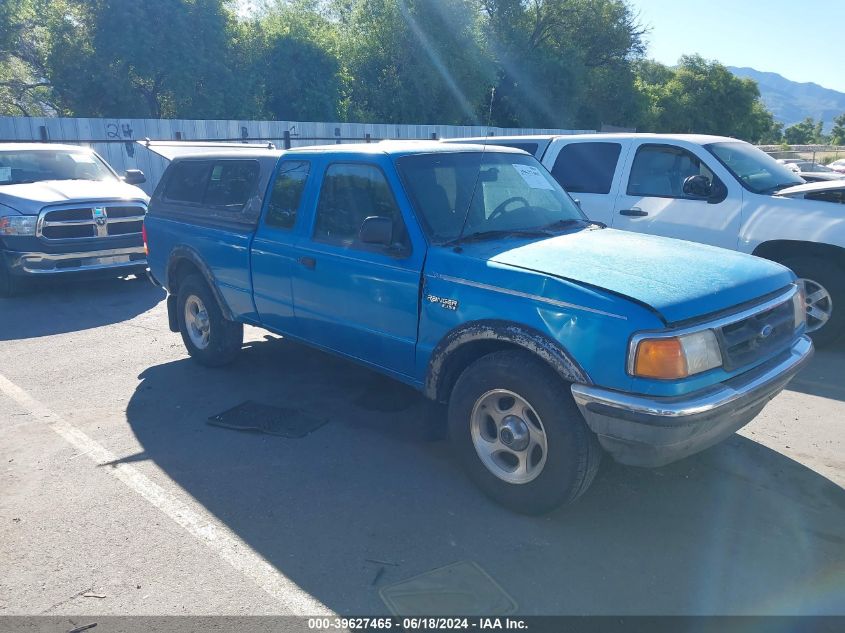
(710, 189)
(468, 273)
(63, 210)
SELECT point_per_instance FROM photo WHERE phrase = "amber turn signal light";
(660, 358)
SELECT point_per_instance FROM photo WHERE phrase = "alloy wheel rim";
(508, 436)
(818, 304)
(197, 322)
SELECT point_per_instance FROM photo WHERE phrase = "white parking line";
(215, 536)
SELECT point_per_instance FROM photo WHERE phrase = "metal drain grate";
(264, 418)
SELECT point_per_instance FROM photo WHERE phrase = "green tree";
(157, 58)
(837, 134)
(703, 96)
(302, 77)
(563, 63)
(413, 60)
(24, 87)
(804, 133)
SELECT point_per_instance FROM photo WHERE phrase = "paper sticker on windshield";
(5, 174)
(532, 176)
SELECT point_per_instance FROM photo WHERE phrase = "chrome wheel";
(197, 322)
(508, 436)
(819, 304)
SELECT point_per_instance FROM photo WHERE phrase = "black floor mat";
(264, 418)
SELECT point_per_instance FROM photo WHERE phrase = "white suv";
(710, 189)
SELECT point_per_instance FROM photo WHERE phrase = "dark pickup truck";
(469, 274)
(64, 211)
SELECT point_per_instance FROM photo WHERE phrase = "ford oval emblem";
(766, 331)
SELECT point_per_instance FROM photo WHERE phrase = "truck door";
(273, 252)
(652, 199)
(360, 299)
(590, 171)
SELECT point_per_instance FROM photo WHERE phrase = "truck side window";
(287, 193)
(660, 171)
(187, 180)
(587, 167)
(351, 193)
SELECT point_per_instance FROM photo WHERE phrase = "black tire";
(225, 338)
(9, 284)
(832, 278)
(573, 454)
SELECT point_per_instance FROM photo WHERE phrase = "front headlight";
(677, 356)
(799, 305)
(18, 224)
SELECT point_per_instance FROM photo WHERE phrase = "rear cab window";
(587, 167)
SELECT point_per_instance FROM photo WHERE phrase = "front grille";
(756, 337)
(94, 221)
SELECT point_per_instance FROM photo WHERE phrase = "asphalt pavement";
(117, 496)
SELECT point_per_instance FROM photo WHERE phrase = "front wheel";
(824, 289)
(210, 338)
(519, 434)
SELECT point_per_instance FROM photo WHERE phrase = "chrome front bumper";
(652, 431)
(57, 263)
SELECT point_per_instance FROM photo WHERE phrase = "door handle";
(308, 262)
(635, 212)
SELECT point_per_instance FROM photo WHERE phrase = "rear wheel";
(519, 434)
(209, 338)
(824, 288)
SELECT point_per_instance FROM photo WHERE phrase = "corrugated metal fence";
(114, 139)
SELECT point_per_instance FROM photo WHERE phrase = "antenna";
(480, 162)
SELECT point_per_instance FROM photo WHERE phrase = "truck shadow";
(737, 529)
(57, 306)
(823, 377)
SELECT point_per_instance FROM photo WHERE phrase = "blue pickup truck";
(469, 274)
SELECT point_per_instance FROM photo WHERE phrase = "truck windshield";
(513, 193)
(756, 170)
(24, 166)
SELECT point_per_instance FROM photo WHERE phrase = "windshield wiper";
(493, 234)
(570, 222)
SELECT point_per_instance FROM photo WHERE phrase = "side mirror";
(376, 230)
(698, 187)
(134, 177)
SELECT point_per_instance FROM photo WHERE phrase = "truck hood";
(29, 198)
(810, 187)
(680, 280)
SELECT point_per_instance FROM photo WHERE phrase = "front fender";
(447, 360)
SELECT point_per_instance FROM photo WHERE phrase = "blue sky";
(799, 39)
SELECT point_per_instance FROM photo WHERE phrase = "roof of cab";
(400, 148)
(699, 139)
(389, 148)
(17, 147)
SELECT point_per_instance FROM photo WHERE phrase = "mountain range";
(791, 101)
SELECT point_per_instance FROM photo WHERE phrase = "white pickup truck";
(709, 189)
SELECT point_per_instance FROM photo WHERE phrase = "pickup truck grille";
(90, 221)
(757, 336)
